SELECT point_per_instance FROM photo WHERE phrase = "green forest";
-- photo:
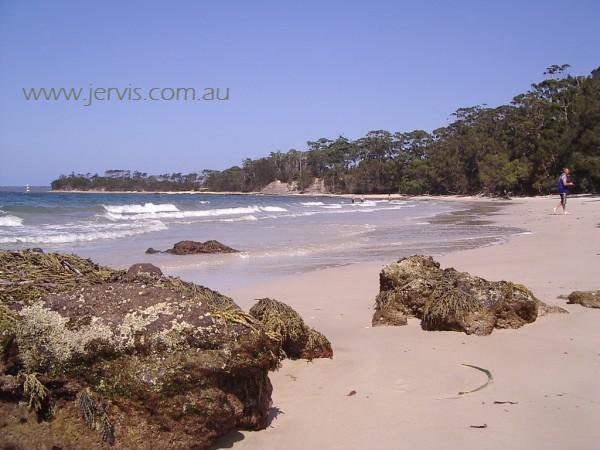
(516, 149)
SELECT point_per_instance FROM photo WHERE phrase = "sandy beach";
(544, 393)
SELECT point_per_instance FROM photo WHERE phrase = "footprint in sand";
(400, 386)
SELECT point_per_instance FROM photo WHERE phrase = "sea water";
(275, 235)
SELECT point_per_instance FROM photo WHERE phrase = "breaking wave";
(140, 209)
(56, 235)
(312, 203)
(10, 221)
(195, 213)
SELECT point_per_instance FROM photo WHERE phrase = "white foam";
(195, 213)
(10, 221)
(140, 209)
(367, 203)
(334, 206)
(273, 209)
(83, 235)
(312, 203)
(248, 218)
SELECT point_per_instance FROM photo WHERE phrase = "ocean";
(276, 235)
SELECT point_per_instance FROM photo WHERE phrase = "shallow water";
(276, 235)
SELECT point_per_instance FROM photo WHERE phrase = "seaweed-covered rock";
(445, 299)
(136, 359)
(589, 299)
(297, 339)
(193, 247)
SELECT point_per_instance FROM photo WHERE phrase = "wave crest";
(140, 209)
(10, 221)
(195, 213)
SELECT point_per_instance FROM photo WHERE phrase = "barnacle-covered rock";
(445, 299)
(132, 358)
(297, 339)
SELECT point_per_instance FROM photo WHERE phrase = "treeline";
(126, 180)
(518, 148)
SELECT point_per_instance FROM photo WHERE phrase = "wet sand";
(407, 380)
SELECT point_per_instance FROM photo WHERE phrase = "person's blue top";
(562, 184)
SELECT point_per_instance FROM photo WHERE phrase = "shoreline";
(404, 376)
(396, 196)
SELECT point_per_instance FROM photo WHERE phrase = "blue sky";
(296, 71)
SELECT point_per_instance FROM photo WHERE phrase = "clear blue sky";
(296, 72)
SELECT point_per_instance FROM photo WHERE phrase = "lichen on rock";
(136, 357)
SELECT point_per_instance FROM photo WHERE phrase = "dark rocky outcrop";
(194, 248)
(589, 299)
(445, 299)
(297, 339)
(93, 357)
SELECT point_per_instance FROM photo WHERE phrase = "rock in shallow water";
(137, 358)
(445, 299)
(195, 248)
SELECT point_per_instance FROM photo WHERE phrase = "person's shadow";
(228, 440)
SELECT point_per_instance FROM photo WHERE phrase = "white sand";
(407, 379)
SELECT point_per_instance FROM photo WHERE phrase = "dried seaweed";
(8, 320)
(448, 304)
(95, 416)
(490, 378)
(238, 316)
(27, 276)
(279, 318)
(36, 393)
(216, 301)
(296, 339)
(316, 344)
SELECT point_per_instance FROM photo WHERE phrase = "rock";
(137, 358)
(445, 299)
(589, 299)
(297, 339)
(545, 309)
(194, 247)
(143, 269)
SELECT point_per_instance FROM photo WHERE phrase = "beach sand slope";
(407, 381)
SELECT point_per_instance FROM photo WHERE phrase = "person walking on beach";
(563, 183)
